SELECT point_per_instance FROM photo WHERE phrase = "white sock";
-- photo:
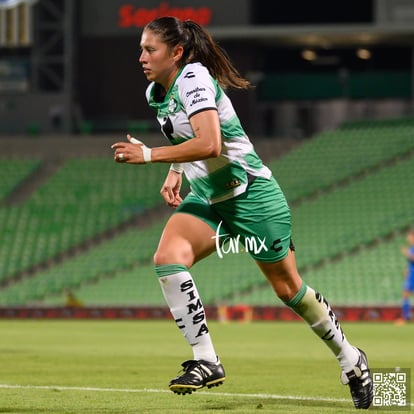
(182, 297)
(315, 310)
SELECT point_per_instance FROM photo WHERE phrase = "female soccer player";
(232, 193)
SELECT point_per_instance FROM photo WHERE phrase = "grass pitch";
(113, 367)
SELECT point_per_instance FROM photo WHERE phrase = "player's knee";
(173, 255)
(160, 257)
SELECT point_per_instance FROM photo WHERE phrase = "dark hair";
(198, 46)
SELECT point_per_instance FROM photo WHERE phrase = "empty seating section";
(85, 197)
(137, 285)
(342, 235)
(108, 260)
(370, 277)
(357, 214)
(335, 155)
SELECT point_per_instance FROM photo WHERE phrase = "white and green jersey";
(193, 91)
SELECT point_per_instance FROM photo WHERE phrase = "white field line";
(158, 391)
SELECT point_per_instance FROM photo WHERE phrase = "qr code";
(391, 388)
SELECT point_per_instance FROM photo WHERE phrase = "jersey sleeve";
(197, 91)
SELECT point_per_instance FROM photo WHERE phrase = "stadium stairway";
(14, 172)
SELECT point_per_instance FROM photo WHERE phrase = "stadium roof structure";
(338, 35)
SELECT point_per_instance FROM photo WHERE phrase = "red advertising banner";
(240, 313)
(125, 17)
(130, 16)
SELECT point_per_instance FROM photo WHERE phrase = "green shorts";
(257, 222)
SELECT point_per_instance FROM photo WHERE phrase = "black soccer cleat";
(360, 382)
(198, 374)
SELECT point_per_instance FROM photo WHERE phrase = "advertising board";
(125, 17)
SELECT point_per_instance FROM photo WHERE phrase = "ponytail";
(199, 46)
(205, 50)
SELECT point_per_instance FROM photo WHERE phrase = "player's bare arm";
(205, 144)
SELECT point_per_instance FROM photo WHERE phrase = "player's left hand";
(170, 190)
(131, 152)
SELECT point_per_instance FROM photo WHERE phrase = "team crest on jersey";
(172, 105)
